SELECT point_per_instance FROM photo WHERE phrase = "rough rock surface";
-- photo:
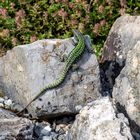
(99, 121)
(16, 128)
(122, 37)
(12, 127)
(126, 91)
(28, 68)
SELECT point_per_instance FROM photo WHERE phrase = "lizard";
(72, 57)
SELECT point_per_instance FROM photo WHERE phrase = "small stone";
(47, 138)
(16, 107)
(8, 102)
(1, 105)
(61, 137)
(85, 87)
(48, 128)
(78, 108)
(46, 131)
(60, 128)
(5, 98)
(1, 100)
(42, 129)
(54, 135)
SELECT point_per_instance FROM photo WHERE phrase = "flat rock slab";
(27, 69)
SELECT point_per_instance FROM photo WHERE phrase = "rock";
(127, 87)
(16, 107)
(122, 37)
(13, 127)
(1, 100)
(42, 129)
(27, 69)
(8, 102)
(46, 138)
(1, 76)
(1, 105)
(99, 121)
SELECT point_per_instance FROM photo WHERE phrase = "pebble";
(46, 138)
(60, 128)
(1, 105)
(48, 128)
(16, 107)
(8, 102)
(1, 100)
(5, 98)
(46, 131)
(78, 108)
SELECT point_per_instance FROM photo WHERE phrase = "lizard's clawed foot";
(63, 58)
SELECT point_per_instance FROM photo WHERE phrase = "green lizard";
(74, 54)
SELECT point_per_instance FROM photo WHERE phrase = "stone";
(13, 127)
(126, 91)
(1, 100)
(122, 37)
(100, 121)
(27, 69)
(1, 105)
(42, 129)
(8, 102)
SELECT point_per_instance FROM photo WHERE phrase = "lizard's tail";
(47, 87)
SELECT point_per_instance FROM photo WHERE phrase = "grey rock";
(27, 69)
(1, 100)
(99, 121)
(122, 37)
(1, 105)
(16, 107)
(42, 129)
(8, 102)
(13, 127)
(61, 137)
(136, 136)
(126, 91)
(46, 138)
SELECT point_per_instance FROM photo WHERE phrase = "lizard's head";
(77, 34)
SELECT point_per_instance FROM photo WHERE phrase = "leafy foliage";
(24, 21)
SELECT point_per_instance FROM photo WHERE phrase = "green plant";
(24, 21)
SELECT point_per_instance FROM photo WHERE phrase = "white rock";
(1, 105)
(48, 128)
(126, 91)
(8, 102)
(1, 100)
(99, 121)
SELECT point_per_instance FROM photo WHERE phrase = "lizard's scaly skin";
(74, 54)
